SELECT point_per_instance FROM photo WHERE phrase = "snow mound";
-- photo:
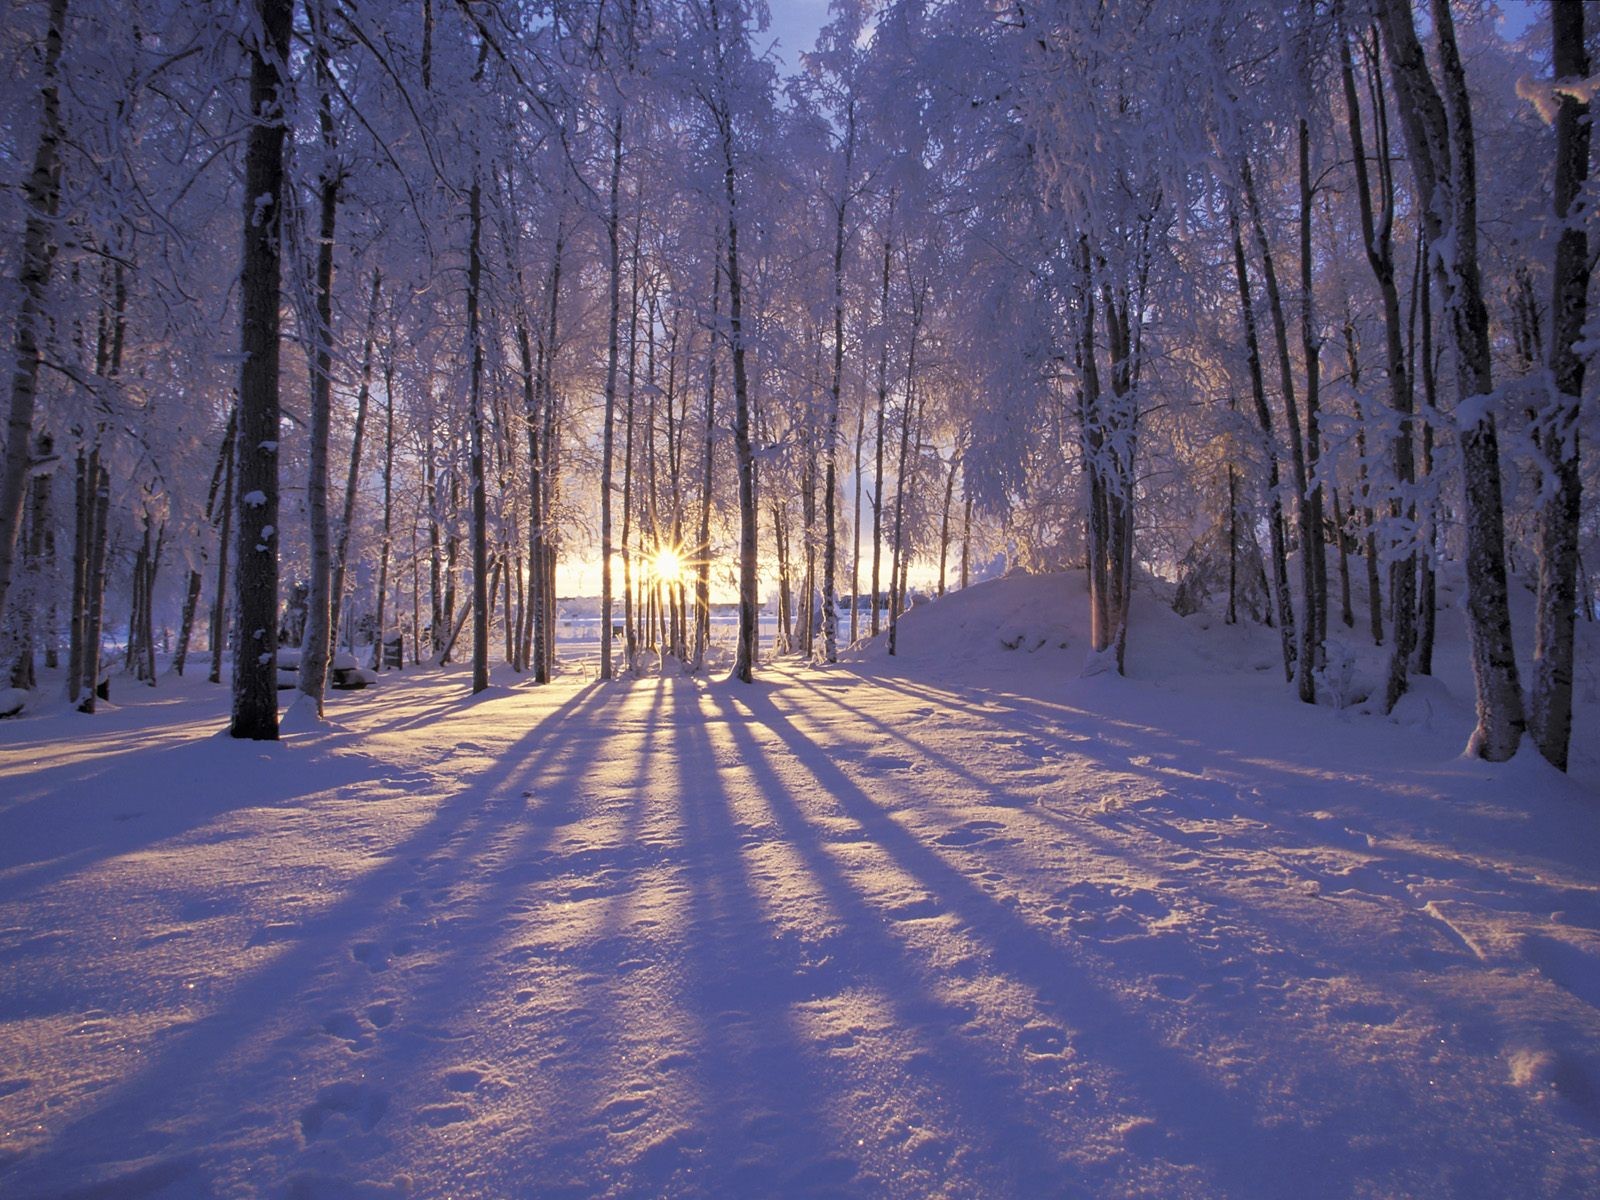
(1019, 614)
(1004, 624)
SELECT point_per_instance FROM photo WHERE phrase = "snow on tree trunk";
(1550, 709)
(255, 634)
(1439, 135)
(41, 193)
(347, 514)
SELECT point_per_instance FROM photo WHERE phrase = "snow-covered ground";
(961, 923)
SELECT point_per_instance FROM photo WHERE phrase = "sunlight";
(667, 566)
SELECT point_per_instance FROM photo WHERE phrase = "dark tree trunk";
(1258, 391)
(255, 635)
(347, 515)
(322, 602)
(216, 506)
(1439, 135)
(479, 498)
(1306, 653)
(41, 193)
(1550, 712)
(1377, 226)
(613, 353)
(386, 545)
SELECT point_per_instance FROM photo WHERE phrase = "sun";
(667, 566)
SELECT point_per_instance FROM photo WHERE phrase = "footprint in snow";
(372, 955)
(437, 1116)
(625, 1113)
(463, 1079)
(921, 909)
(886, 762)
(341, 1106)
(348, 1028)
(969, 834)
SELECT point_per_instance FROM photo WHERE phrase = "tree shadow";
(1200, 1119)
(239, 1048)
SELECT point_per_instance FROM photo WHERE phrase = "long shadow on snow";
(1321, 945)
(125, 1125)
(90, 813)
(517, 936)
(1488, 850)
(1204, 1122)
(761, 1092)
(990, 1111)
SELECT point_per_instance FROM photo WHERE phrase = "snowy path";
(836, 934)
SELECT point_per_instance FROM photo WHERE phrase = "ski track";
(839, 934)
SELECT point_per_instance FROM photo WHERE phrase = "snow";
(963, 922)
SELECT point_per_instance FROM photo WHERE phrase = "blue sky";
(794, 26)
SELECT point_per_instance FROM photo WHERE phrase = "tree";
(1437, 117)
(255, 632)
(1550, 711)
(39, 245)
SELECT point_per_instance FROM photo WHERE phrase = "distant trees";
(1192, 289)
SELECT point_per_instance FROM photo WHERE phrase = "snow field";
(955, 924)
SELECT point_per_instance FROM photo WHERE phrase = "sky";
(794, 27)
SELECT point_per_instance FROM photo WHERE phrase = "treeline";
(1283, 300)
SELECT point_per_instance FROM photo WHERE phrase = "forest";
(884, 598)
(1218, 293)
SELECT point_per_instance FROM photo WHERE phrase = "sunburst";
(668, 566)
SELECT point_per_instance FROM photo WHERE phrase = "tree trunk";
(1377, 225)
(1311, 352)
(883, 404)
(385, 547)
(95, 576)
(966, 531)
(1258, 391)
(255, 636)
(41, 193)
(1420, 313)
(902, 482)
(749, 602)
(1306, 653)
(347, 516)
(613, 353)
(629, 568)
(855, 531)
(321, 601)
(944, 521)
(830, 482)
(1347, 614)
(1439, 135)
(214, 512)
(227, 503)
(479, 498)
(702, 583)
(1550, 711)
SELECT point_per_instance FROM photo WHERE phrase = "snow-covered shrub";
(1336, 679)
